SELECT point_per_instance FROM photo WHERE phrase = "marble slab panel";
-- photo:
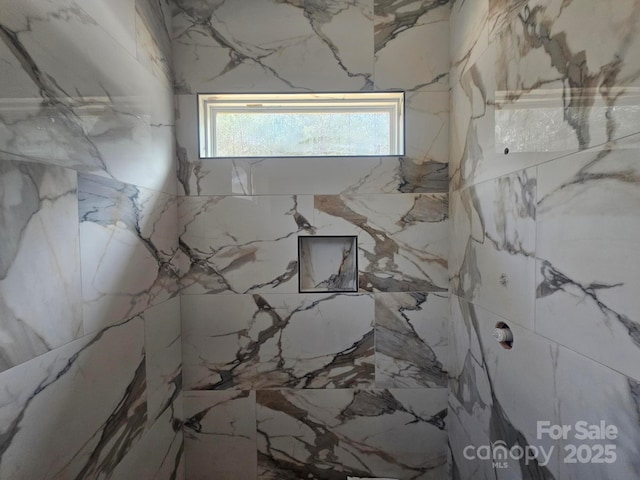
(75, 412)
(469, 35)
(615, 401)
(559, 390)
(294, 46)
(115, 17)
(160, 453)
(153, 37)
(492, 260)
(461, 436)
(163, 347)
(60, 105)
(588, 224)
(495, 131)
(427, 126)
(127, 240)
(554, 76)
(482, 145)
(403, 238)
(470, 390)
(472, 120)
(298, 176)
(411, 340)
(400, 27)
(269, 341)
(243, 244)
(40, 291)
(33, 30)
(220, 435)
(361, 433)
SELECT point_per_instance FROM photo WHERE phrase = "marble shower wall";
(90, 343)
(545, 223)
(321, 385)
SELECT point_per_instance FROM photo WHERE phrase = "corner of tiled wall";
(91, 348)
(544, 214)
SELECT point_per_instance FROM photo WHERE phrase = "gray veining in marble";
(362, 433)
(39, 256)
(132, 228)
(278, 340)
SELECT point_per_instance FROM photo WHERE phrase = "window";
(301, 124)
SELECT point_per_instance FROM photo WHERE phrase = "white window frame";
(209, 104)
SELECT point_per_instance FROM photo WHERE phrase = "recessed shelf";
(328, 264)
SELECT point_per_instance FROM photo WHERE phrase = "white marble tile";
(555, 76)
(220, 435)
(127, 240)
(153, 37)
(427, 128)
(62, 106)
(472, 123)
(470, 391)
(163, 347)
(399, 28)
(462, 436)
(267, 341)
(485, 406)
(558, 389)
(361, 433)
(292, 46)
(243, 244)
(588, 224)
(117, 18)
(403, 238)
(487, 121)
(411, 340)
(469, 35)
(542, 88)
(493, 251)
(40, 291)
(159, 454)
(615, 402)
(76, 411)
(38, 28)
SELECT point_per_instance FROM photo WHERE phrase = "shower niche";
(327, 264)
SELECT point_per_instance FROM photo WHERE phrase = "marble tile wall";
(544, 224)
(280, 384)
(90, 349)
